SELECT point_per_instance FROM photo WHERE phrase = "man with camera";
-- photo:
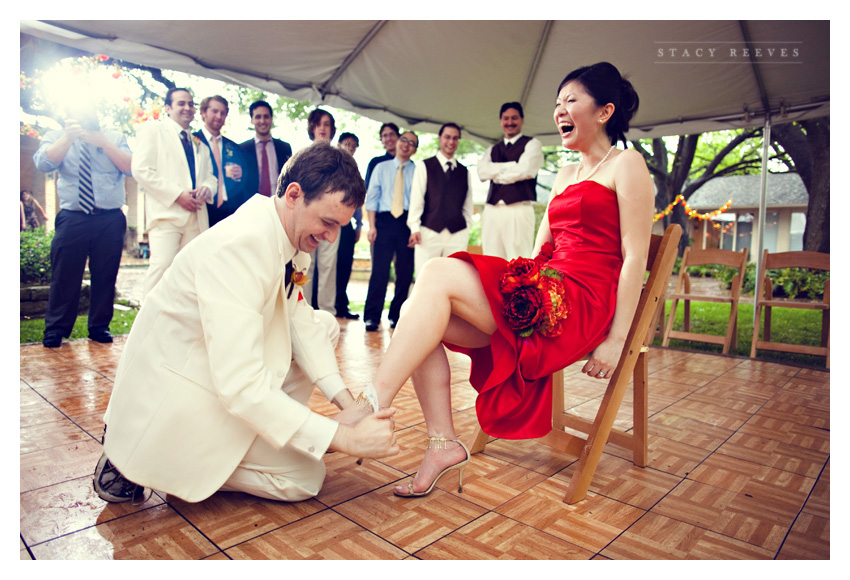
(90, 225)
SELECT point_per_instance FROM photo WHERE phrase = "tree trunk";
(816, 237)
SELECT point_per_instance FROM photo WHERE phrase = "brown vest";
(525, 190)
(444, 197)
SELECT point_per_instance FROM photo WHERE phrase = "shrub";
(35, 256)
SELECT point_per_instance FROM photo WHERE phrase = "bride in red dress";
(594, 242)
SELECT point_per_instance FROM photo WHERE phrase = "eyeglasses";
(413, 144)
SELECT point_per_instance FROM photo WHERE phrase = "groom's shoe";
(371, 325)
(113, 487)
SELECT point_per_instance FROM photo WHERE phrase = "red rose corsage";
(534, 295)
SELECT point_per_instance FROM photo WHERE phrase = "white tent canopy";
(692, 76)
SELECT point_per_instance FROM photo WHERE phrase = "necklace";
(592, 171)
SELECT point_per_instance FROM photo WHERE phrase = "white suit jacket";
(160, 167)
(201, 373)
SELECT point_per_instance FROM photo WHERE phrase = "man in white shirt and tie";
(175, 170)
(441, 208)
(511, 165)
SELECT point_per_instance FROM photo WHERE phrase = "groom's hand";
(372, 437)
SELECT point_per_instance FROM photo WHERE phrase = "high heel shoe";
(439, 443)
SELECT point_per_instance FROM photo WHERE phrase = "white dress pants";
(323, 273)
(438, 245)
(507, 231)
(165, 241)
(283, 474)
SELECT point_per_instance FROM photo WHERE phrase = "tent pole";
(762, 212)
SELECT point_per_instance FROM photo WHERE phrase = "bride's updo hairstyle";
(603, 82)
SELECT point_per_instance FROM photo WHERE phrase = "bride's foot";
(441, 456)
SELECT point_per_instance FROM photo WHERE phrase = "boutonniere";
(228, 152)
(196, 141)
(298, 278)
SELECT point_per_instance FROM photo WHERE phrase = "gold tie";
(217, 155)
(398, 193)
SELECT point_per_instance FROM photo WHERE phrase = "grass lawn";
(32, 330)
(790, 325)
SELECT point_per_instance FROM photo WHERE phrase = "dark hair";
(603, 82)
(345, 136)
(512, 105)
(256, 104)
(27, 191)
(315, 118)
(170, 94)
(392, 126)
(206, 103)
(320, 169)
(455, 125)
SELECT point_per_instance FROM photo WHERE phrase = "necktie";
(216, 149)
(190, 155)
(86, 190)
(398, 193)
(449, 168)
(265, 182)
(288, 278)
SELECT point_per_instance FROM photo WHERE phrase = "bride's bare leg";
(432, 381)
(448, 303)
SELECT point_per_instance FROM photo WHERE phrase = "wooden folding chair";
(766, 301)
(695, 257)
(662, 255)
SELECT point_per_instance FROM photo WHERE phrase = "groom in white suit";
(213, 383)
(174, 168)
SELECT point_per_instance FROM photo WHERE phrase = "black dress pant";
(393, 236)
(78, 237)
(344, 264)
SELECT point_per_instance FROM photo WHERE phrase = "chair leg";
(480, 441)
(687, 316)
(596, 440)
(672, 318)
(731, 331)
(641, 411)
(756, 324)
(767, 312)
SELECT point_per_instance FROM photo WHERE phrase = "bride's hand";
(604, 359)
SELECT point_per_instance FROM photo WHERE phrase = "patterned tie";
(398, 193)
(86, 190)
(265, 182)
(190, 155)
(216, 149)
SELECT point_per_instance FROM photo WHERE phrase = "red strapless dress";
(513, 374)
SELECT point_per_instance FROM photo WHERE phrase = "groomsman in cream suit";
(211, 391)
(175, 170)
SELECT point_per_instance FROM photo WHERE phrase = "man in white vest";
(511, 165)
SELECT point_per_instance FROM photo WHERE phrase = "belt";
(96, 211)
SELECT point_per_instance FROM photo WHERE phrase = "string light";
(692, 213)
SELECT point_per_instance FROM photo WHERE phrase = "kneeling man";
(212, 387)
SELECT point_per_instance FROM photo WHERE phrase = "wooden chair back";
(766, 302)
(683, 293)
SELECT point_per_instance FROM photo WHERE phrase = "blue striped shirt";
(107, 180)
